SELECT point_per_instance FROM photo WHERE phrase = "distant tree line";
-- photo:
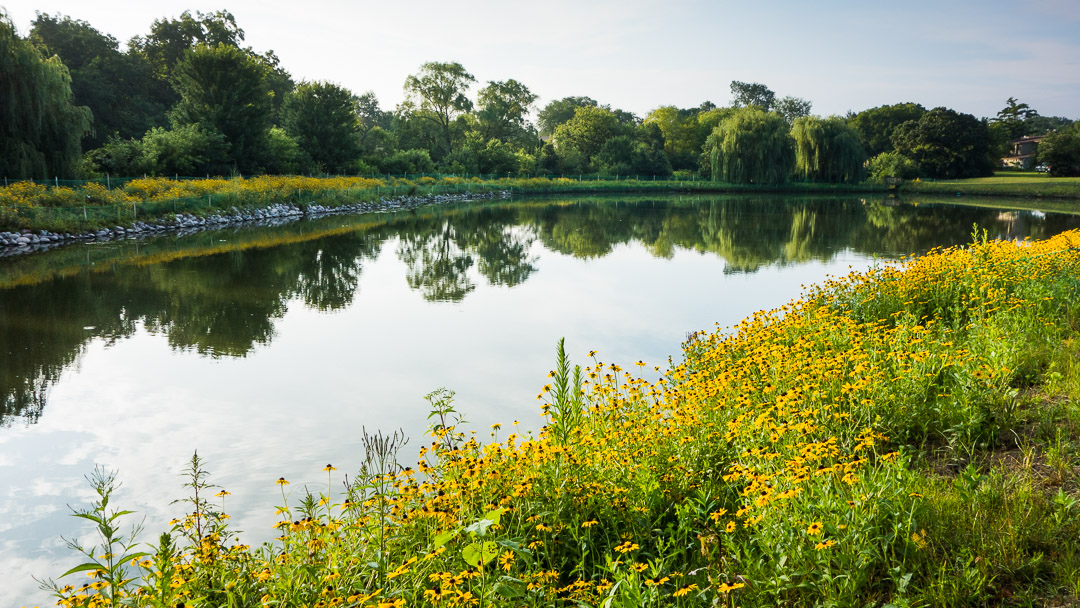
(189, 98)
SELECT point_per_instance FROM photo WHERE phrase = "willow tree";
(751, 146)
(827, 150)
(40, 126)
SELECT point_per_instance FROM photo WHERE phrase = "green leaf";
(489, 551)
(445, 537)
(471, 554)
(509, 591)
(495, 515)
(479, 527)
(83, 568)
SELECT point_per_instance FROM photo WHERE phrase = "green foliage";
(322, 118)
(946, 144)
(224, 89)
(438, 93)
(746, 94)
(407, 161)
(118, 88)
(184, 150)
(169, 39)
(641, 153)
(684, 132)
(284, 156)
(751, 147)
(892, 164)
(1061, 152)
(40, 125)
(503, 109)
(582, 137)
(792, 107)
(560, 111)
(876, 125)
(827, 150)
(1013, 118)
(117, 157)
(107, 561)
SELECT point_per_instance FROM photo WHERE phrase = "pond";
(270, 350)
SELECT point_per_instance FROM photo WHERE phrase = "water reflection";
(221, 294)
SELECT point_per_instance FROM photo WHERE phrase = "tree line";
(189, 98)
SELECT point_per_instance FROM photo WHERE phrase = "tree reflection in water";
(223, 303)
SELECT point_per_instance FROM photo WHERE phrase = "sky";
(638, 55)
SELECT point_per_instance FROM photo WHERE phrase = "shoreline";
(28, 242)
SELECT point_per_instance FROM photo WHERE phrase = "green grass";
(1003, 183)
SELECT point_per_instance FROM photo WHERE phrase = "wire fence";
(111, 182)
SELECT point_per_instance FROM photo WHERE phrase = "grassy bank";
(84, 206)
(1004, 184)
(905, 436)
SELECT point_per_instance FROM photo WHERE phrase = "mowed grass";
(1019, 184)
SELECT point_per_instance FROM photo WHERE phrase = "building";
(1022, 152)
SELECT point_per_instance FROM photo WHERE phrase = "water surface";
(268, 350)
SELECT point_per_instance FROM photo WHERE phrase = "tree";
(751, 147)
(438, 91)
(946, 144)
(827, 150)
(224, 89)
(118, 88)
(684, 133)
(792, 107)
(745, 94)
(876, 125)
(40, 125)
(583, 135)
(170, 39)
(1061, 152)
(186, 150)
(503, 109)
(560, 111)
(892, 164)
(1013, 118)
(322, 117)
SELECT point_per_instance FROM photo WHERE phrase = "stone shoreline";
(26, 242)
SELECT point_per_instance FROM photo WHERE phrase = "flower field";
(905, 436)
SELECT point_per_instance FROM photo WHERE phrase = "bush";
(892, 164)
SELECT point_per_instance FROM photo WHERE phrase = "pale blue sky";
(641, 54)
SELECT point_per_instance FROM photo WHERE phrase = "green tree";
(582, 137)
(745, 94)
(876, 125)
(322, 117)
(170, 39)
(185, 150)
(751, 147)
(684, 132)
(946, 144)
(1013, 118)
(560, 111)
(827, 150)
(792, 107)
(224, 89)
(284, 156)
(892, 164)
(439, 94)
(40, 125)
(503, 109)
(1061, 152)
